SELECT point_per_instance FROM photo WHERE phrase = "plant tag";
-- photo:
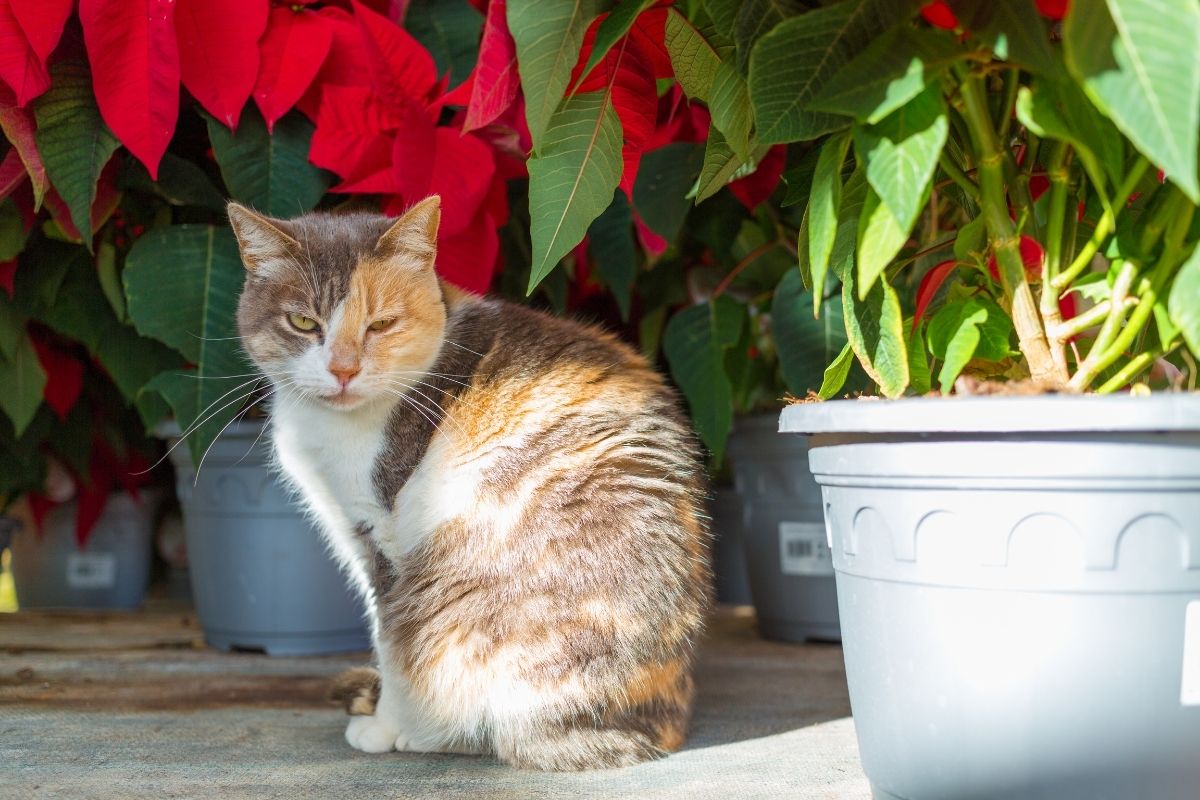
(1190, 694)
(91, 570)
(803, 549)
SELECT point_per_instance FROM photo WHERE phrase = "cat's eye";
(302, 323)
(381, 324)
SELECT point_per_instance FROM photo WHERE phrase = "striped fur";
(517, 496)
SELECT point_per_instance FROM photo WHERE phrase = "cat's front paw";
(372, 734)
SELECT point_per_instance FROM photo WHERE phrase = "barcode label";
(803, 549)
(1190, 693)
(91, 570)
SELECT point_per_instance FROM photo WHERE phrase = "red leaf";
(1067, 307)
(218, 52)
(12, 173)
(1032, 256)
(939, 15)
(19, 128)
(290, 54)
(8, 274)
(354, 133)
(649, 30)
(135, 71)
(653, 244)
(496, 79)
(1053, 9)
(400, 66)
(42, 21)
(64, 377)
(414, 154)
(20, 67)
(468, 259)
(462, 174)
(929, 286)
(345, 65)
(756, 187)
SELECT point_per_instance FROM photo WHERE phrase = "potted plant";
(1004, 198)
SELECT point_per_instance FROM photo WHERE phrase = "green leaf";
(901, 154)
(1060, 110)
(449, 30)
(836, 373)
(799, 179)
(875, 327)
(12, 328)
(660, 192)
(806, 345)
(110, 278)
(723, 14)
(612, 28)
(1014, 30)
(613, 249)
(572, 178)
(73, 140)
(823, 206)
(729, 102)
(970, 243)
(722, 166)
(791, 65)
(24, 381)
(972, 328)
(695, 341)
(694, 60)
(845, 243)
(893, 70)
(919, 379)
(1138, 64)
(181, 286)
(756, 17)
(12, 231)
(548, 35)
(880, 238)
(180, 182)
(269, 172)
(1183, 303)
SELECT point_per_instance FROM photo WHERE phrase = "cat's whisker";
(236, 417)
(203, 417)
(419, 408)
(457, 399)
(461, 347)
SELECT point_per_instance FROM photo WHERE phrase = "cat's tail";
(357, 689)
(618, 737)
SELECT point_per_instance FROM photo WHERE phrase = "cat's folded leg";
(378, 732)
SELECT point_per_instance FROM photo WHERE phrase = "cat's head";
(341, 309)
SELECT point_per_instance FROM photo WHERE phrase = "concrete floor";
(134, 706)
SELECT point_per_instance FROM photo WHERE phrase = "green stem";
(955, 174)
(990, 158)
(1131, 370)
(1106, 225)
(1126, 272)
(1012, 82)
(1058, 172)
(1078, 324)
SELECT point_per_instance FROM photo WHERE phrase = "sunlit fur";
(517, 497)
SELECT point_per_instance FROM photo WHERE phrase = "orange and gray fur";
(517, 496)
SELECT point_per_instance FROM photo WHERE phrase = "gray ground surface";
(132, 706)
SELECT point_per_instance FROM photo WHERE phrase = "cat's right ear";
(260, 238)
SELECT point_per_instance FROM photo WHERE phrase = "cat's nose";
(344, 373)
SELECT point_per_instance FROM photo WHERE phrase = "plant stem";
(1127, 271)
(746, 261)
(1026, 320)
(1065, 330)
(958, 176)
(1058, 172)
(1012, 82)
(1135, 367)
(1106, 225)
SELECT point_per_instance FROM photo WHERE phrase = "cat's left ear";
(415, 232)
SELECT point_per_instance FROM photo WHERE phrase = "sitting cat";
(517, 496)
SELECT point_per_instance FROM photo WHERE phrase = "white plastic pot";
(50, 570)
(261, 576)
(1019, 585)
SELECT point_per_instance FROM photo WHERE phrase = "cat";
(517, 496)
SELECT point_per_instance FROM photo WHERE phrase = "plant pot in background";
(729, 548)
(1019, 582)
(51, 571)
(791, 574)
(262, 578)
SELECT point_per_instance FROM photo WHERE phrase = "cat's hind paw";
(357, 690)
(372, 734)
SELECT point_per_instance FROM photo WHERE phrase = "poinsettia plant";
(998, 190)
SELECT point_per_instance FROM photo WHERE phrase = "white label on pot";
(1190, 695)
(803, 549)
(91, 570)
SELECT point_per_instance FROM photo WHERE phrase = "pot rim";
(1040, 414)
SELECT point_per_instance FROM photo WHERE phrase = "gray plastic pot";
(791, 573)
(51, 571)
(1019, 582)
(261, 576)
(729, 548)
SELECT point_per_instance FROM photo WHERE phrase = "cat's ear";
(260, 238)
(415, 232)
